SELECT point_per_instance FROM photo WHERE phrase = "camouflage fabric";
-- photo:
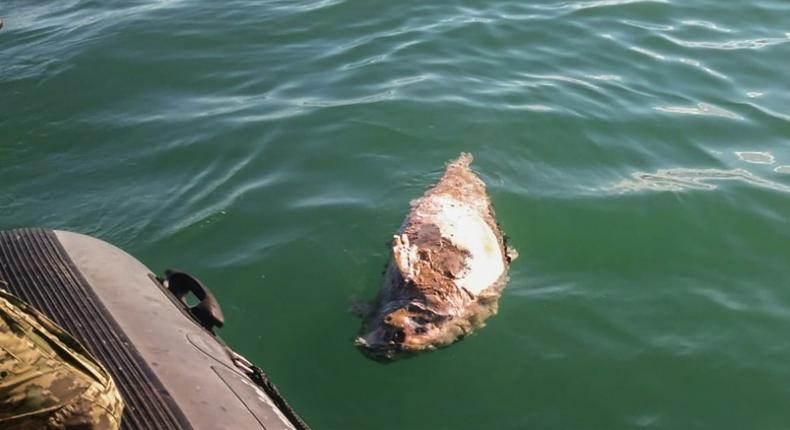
(47, 379)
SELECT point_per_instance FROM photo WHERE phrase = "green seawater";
(636, 151)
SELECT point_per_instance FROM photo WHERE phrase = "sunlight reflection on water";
(679, 179)
(756, 157)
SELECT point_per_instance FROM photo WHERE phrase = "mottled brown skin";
(420, 305)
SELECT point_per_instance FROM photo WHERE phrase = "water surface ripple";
(637, 153)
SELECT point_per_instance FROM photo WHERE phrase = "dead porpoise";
(447, 269)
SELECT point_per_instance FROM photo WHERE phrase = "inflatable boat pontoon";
(172, 370)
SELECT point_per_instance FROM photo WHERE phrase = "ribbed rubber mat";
(40, 272)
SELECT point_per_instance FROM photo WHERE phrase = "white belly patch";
(465, 228)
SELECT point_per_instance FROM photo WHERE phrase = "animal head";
(397, 331)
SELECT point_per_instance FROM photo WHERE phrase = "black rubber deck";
(40, 272)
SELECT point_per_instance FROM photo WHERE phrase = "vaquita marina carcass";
(447, 269)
